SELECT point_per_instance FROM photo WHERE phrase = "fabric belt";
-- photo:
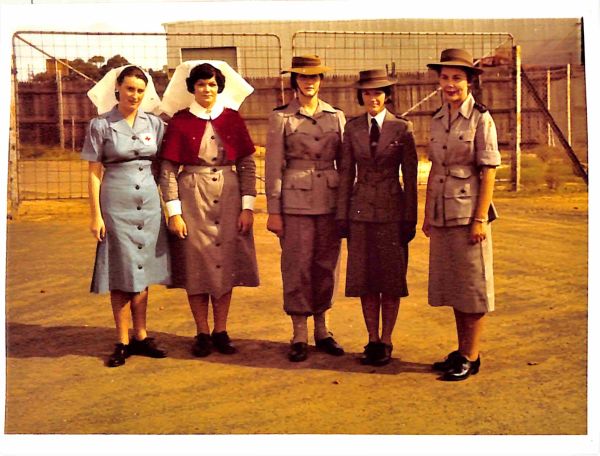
(309, 164)
(129, 160)
(201, 169)
(450, 169)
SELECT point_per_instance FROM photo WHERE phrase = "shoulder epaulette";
(398, 116)
(480, 107)
(280, 108)
(437, 110)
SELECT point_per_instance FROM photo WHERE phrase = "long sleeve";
(409, 168)
(274, 162)
(347, 171)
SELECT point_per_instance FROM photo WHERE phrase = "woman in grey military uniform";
(209, 203)
(464, 154)
(126, 215)
(379, 213)
(303, 143)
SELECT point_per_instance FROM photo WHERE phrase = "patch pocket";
(460, 194)
(333, 179)
(296, 189)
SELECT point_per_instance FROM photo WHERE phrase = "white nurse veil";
(103, 92)
(177, 97)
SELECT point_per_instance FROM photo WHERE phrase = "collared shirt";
(201, 112)
(379, 118)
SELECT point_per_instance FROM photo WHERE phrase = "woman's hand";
(478, 232)
(98, 228)
(275, 224)
(177, 226)
(426, 228)
(245, 221)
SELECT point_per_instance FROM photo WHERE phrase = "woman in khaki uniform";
(379, 213)
(209, 204)
(464, 154)
(303, 142)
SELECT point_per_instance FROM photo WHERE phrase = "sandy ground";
(534, 358)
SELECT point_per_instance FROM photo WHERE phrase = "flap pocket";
(462, 188)
(467, 135)
(297, 179)
(462, 172)
(333, 179)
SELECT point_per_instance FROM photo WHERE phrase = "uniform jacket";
(300, 176)
(377, 195)
(458, 148)
(184, 134)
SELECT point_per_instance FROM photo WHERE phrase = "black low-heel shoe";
(329, 346)
(445, 365)
(222, 343)
(146, 347)
(462, 369)
(298, 352)
(369, 354)
(118, 356)
(202, 345)
(383, 355)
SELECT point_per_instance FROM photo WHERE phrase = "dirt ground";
(533, 379)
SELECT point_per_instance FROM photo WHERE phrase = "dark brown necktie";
(373, 135)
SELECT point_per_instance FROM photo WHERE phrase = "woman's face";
(308, 84)
(374, 100)
(454, 84)
(205, 92)
(131, 93)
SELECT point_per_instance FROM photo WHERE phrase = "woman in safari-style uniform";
(303, 143)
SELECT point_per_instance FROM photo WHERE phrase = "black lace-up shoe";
(146, 347)
(202, 345)
(222, 343)
(462, 369)
(118, 356)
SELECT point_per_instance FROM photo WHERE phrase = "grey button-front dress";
(134, 253)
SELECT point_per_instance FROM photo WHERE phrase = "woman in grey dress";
(126, 216)
(376, 211)
(464, 155)
(209, 204)
(304, 141)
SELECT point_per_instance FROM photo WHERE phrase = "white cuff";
(248, 202)
(173, 208)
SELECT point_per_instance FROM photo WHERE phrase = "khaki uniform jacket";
(458, 148)
(300, 176)
(377, 195)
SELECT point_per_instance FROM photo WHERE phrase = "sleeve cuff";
(248, 202)
(173, 207)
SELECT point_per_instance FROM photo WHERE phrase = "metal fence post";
(515, 162)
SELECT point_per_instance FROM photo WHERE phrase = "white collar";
(200, 111)
(379, 118)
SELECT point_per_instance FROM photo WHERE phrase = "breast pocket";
(460, 194)
(463, 146)
(296, 189)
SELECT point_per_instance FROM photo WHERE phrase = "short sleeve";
(93, 145)
(486, 142)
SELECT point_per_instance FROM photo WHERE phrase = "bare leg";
(121, 308)
(470, 328)
(220, 311)
(139, 304)
(389, 314)
(199, 307)
(370, 306)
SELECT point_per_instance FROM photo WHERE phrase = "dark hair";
(294, 82)
(130, 71)
(471, 76)
(205, 71)
(387, 90)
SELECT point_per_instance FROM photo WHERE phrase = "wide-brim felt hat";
(374, 79)
(456, 58)
(306, 64)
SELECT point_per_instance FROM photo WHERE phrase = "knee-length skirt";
(214, 257)
(461, 274)
(377, 260)
(134, 253)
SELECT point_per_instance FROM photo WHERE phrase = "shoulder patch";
(480, 107)
(281, 108)
(437, 110)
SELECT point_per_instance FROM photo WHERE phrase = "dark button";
(318, 155)
(214, 179)
(214, 159)
(134, 137)
(215, 201)
(216, 222)
(139, 266)
(212, 137)
(139, 227)
(460, 137)
(137, 187)
(136, 153)
(463, 190)
(447, 131)
(139, 208)
(218, 244)
(441, 181)
(214, 170)
(218, 266)
(444, 164)
(314, 122)
(140, 247)
(318, 174)
(316, 139)
(141, 169)
(444, 147)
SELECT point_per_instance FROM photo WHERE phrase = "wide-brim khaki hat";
(374, 79)
(306, 64)
(456, 58)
